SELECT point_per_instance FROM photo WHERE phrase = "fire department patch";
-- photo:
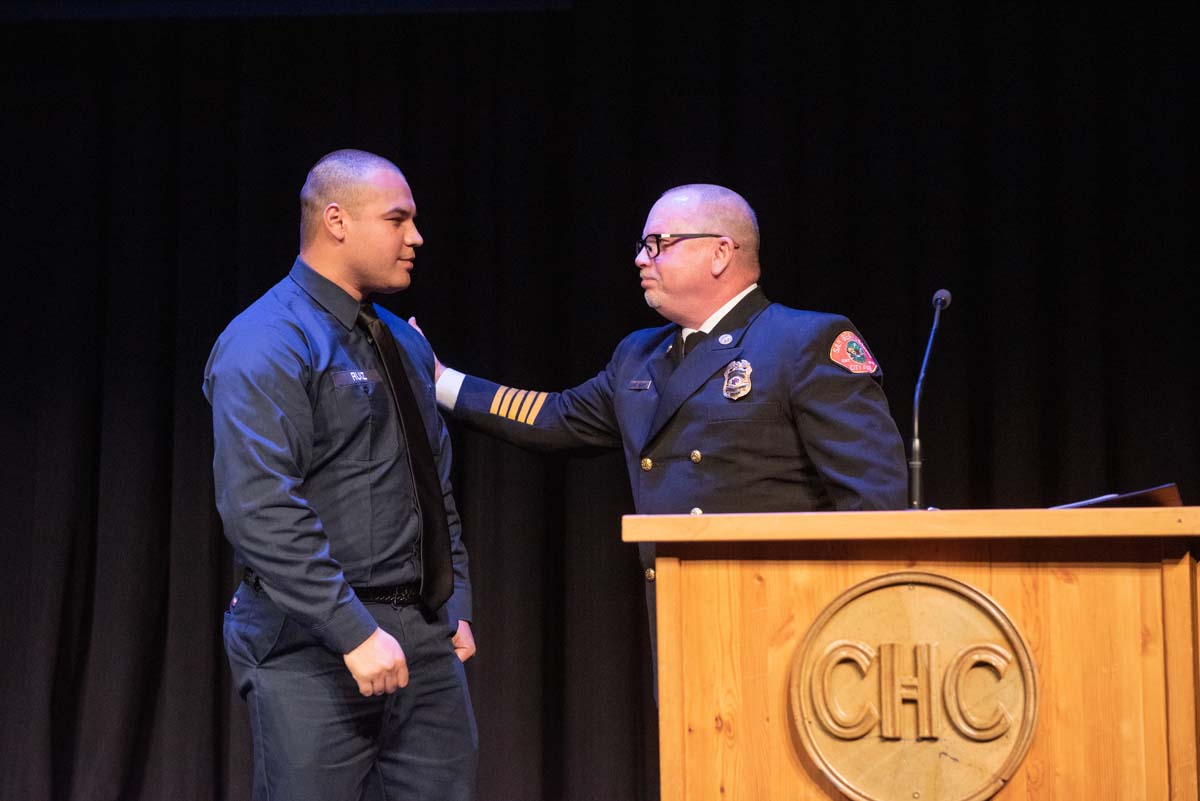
(850, 352)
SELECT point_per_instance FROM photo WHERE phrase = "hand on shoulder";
(438, 367)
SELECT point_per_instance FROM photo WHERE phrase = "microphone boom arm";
(941, 299)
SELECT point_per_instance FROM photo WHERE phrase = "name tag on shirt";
(347, 378)
(639, 383)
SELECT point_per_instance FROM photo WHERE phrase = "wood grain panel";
(1111, 625)
(672, 758)
(958, 524)
(1179, 623)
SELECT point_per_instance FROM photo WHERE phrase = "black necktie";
(685, 345)
(437, 576)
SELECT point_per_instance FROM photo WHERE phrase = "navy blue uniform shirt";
(310, 466)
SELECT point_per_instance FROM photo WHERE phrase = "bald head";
(718, 210)
(706, 256)
(340, 177)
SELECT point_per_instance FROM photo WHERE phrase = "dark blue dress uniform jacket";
(810, 435)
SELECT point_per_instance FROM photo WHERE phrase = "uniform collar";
(327, 294)
(708, 325)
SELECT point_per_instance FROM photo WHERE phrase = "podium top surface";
(1176, 521)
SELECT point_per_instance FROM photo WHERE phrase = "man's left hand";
(464, 641)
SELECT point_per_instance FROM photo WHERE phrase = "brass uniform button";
(649, 574)
(696, 510)
(696, 457)
(647, 463)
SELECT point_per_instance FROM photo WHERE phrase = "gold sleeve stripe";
(496, 400)
(537, 407)
(516, 404)
(520, 417)
(508, 396)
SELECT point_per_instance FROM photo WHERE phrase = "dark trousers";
(315, 737)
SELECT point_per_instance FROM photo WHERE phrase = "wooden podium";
(1105, 599)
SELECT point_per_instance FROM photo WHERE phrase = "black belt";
(396, 594)
(251, 580)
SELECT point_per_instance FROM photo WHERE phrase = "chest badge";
(737, 379)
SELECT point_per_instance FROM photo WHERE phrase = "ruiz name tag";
(346, 378)
(639, 383)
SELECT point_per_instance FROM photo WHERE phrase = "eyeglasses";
(652, 243)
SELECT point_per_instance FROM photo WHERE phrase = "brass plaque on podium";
(914, 687)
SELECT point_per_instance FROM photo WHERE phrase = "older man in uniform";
(738, 405)
(332, 474)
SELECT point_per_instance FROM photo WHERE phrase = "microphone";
(941, 299)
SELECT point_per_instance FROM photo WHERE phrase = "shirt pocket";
(739, 412)
(366, 421)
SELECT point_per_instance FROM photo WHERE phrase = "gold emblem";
(914, 685)
(737, 379)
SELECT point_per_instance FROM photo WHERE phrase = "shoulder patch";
(850, 352)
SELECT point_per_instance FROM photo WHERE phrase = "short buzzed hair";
(726, 209)
(338, 177)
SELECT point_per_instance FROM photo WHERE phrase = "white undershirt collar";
(708, 325)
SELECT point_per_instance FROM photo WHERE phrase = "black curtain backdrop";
(1033, 160)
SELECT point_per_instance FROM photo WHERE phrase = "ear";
(335, 221)
(722, 256)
